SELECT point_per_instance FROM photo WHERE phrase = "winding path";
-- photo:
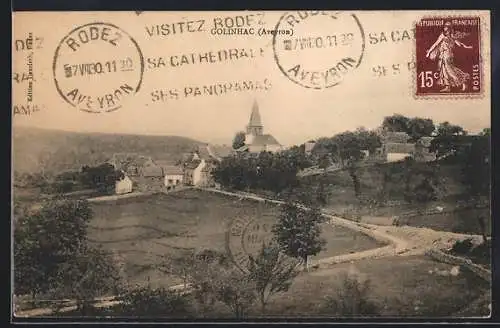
(400, 241)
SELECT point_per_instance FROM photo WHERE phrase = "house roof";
(399, 148)
(242, 148)
(193, 164)
(203, 152)
(172, 170)
(396, 137)
(264, 139)
(221, 150)
(122, 161)
(152, 171)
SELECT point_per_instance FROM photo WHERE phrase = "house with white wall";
(123, 186)
(193, 175)
(173, 176)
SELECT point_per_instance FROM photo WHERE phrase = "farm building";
(123, 186)
(173, 176)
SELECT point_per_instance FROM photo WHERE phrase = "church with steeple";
(255, 139)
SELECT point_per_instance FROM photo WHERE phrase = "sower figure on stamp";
(449, 75)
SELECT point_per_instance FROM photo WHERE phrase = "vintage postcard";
(251, 164)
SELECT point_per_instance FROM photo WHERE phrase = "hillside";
(389, 179)
(55, 151)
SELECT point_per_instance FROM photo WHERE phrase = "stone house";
(151, 178)
(123, 186)
(173, 176)
(396, 146)
(193, 171)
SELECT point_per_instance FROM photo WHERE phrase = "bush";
(462, 247)
(352, 299)
(146, 302)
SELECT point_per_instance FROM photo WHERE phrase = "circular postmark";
(323, 49)
(97, 66)
(245, 237)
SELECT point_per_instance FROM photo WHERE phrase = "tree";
(91, 272)
(396, 123)
(204, 277)
(235, 289)
(476, 175)
(485, 132)
(415, 127)
(298, 231)
(160, 302)
(447, 140)
(351, 147)
(215, 278)
(52, 255)
(271, 272)
(102, 177)
(419, 127)
(45, 239)
(239, 140)
(352, 298)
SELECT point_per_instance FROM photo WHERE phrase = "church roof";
(255, 116)
(264, 139)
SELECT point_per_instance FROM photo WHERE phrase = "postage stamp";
(324, 48)
(448, 56)
(97, 66)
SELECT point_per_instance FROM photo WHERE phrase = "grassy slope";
(61, 150)
(401, 286)
(342, 198)
(145, 230)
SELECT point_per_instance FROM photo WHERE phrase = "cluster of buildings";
(395, 147)
(142, 173)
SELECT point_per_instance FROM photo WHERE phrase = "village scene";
(395, 222)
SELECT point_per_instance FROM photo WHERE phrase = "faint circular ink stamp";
(324, 48)
(97, 66)
(245, 237)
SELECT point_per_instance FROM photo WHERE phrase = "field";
(145, 231)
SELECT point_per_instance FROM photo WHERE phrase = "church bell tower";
(254, 126)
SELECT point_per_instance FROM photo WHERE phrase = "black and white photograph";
(251, 165)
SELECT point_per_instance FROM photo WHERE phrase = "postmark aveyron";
(97, 66)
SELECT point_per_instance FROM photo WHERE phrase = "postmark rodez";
(97, 66)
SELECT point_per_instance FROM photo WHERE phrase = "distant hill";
(56, 151)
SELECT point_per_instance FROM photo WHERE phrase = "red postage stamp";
(448, 56)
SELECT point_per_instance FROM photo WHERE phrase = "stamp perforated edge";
(449, 96)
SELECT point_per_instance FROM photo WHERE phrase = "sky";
(292, 112)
